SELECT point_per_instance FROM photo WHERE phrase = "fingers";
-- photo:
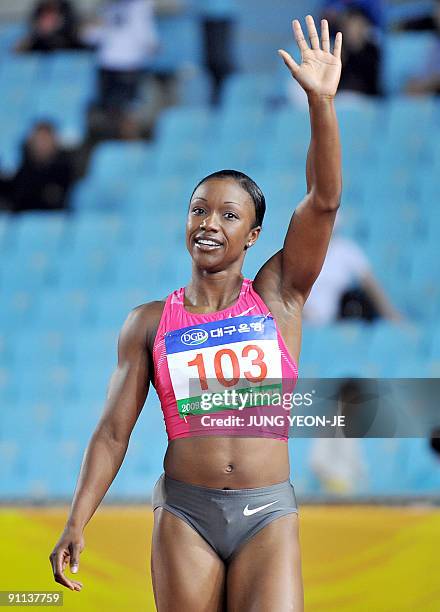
(338, 45)
(314, 37)
(313, 34)
(325, 36)
(288, 60)
(299, 36)
(56, 561)
(74, 557)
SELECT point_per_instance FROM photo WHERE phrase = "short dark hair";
(247, 184)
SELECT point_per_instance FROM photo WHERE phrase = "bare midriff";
(228, 463)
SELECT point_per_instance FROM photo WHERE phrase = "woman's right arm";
(107, 447)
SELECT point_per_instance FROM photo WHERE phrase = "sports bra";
(229, 363)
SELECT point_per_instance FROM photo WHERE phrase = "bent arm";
(107, 447)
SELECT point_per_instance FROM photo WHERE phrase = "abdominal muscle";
(228, 463)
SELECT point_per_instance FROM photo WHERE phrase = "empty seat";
(403, 53)
(61, 310)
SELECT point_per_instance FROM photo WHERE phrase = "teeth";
(207, 242)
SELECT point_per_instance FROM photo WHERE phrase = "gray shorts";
(225, 518)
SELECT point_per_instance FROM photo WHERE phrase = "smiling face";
(221, 220)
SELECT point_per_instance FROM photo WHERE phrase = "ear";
(253, 236)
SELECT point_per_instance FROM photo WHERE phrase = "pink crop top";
(211, 366)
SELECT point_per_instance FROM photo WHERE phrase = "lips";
(205, 243)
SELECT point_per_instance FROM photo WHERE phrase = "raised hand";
(320, 69)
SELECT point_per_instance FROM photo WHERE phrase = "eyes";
(229, 215)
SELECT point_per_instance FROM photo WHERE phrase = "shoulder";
(142, 322)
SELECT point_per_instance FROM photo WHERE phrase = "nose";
(210, 223)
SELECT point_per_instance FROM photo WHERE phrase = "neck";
(215, 291)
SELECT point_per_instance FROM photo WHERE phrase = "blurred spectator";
(339, 465)
(428, 81)
(346, 287)
(373, 9)
(361, 61)
(434, 441)
(45, 175)
(426, 22)
(126, 40)
(361, 54)
(53, 26)
(218, 23)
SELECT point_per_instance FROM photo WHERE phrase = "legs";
(265, 574)
(188, 576)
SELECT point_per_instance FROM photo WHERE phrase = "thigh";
(187, 573)
(266, 572)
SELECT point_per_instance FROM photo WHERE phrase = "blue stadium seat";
(26, 271)
(61, 310)
(390, 341)
(241, 90)
(35, 347)
(424, 274)
(193, 87)
(121, 159)
(183, 46)
(5, 230)
(38, 231)
(182, 157)
(95, 345)
(112, 306)
(83, 269)
(386, 476)
(12, 470)
(97, 230)
(16, 309)
(403, 53)
(90, 382)
(89, 195)
(41, 383)
(423, 467)
(24, 69)
(435, 343)
(10, 34)
(181, 124)
(69, 66)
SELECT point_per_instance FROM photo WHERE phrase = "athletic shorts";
(225, 518)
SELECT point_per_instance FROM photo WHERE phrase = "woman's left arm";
(310, 228)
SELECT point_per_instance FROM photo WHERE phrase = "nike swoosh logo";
(243, 313)
(248, 512)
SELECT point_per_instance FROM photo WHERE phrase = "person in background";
(126, 41)
(428, 21)
(346, 266)
(53, 26)
(218, 26)
(373, 9)
(362, 54)
(428, 81)
(361, 57)
(44, 176)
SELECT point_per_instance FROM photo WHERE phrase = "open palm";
(320, 69)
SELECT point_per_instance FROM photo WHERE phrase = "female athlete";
(225, 517)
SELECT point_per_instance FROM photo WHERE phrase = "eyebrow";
(225, 202)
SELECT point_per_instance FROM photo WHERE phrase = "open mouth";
(208, 244)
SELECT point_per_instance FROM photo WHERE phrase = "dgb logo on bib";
(234, 354)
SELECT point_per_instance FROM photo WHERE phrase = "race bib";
(224, 364)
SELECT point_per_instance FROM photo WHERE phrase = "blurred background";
(110, 113)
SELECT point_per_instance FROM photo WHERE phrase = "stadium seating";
(69, 280)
